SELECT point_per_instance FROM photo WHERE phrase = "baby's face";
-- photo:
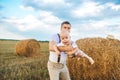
(65, 39)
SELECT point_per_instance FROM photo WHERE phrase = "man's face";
(66, 27)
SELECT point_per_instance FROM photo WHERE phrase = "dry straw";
(106, 54)
(29, 47)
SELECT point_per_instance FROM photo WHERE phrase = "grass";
(13, 67)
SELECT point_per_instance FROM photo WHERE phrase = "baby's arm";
(81, 53)
(74, 50)
(60, 48)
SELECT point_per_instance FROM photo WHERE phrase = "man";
(57, 62)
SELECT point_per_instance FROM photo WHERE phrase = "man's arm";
(65, 48)
(60, 48)
(56, 50)
(51, 47)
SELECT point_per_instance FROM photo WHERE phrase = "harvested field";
(14, 67)
(105, 52)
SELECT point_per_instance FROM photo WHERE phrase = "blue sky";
(40, 19)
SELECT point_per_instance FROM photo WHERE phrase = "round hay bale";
(28, 48)
(106, 54)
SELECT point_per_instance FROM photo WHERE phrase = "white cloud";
(29, 8)
(45, 3)
(56, 3)
(98, 24)
(94, 9)
(53, 1)
(49, 18)
(113, 6)
(103, 18)
(46, 20)
(79, 34)
(88, 9)
(97, 28)
(102, 24)
(4, 34)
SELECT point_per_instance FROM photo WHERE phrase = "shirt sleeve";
(55, 38)
(74, 45)
(82, 53)
(79, 51)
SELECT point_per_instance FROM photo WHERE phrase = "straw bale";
(106, 54)
(28, 47)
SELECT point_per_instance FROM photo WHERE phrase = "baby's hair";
(63, 32)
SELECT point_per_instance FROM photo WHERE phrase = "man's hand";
(58, 53)
(51, 43)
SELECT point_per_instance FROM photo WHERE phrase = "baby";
(66, 41)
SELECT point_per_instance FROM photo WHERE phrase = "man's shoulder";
(55, 37)
(55, 34)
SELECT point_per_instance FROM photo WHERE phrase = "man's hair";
(65, 22)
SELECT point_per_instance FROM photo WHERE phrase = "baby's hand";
(78, 58)
(69, 53)
(91, 60)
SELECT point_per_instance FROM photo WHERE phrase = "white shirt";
(74, 45)
(53, 56)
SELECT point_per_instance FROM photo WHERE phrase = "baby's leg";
(80, 54)
(72, 55)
